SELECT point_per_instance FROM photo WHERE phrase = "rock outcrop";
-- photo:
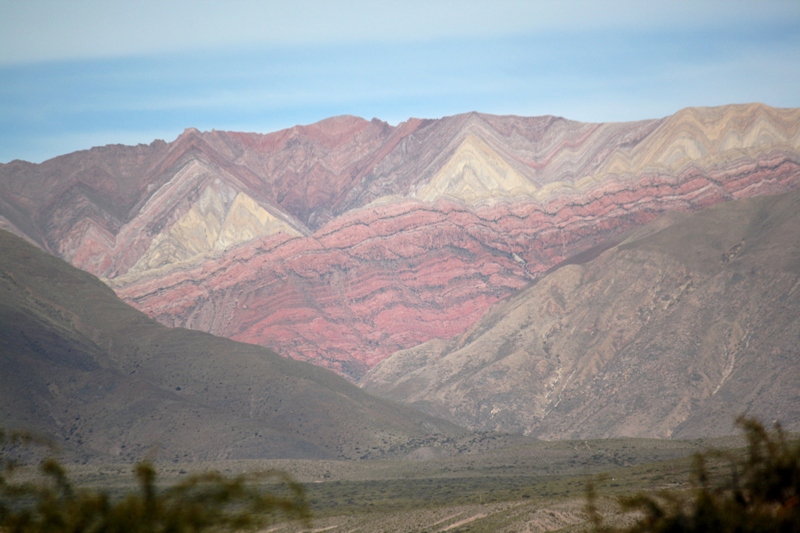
(347, 240)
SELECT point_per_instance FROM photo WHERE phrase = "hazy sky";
(75, 74)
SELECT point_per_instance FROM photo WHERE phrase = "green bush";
(205, 502)
(759, 493)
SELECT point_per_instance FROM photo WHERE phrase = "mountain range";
(343, 242)
(529, 275)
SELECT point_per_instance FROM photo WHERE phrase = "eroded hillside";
(687, 323)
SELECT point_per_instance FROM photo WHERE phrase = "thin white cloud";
(39, 30)
(162, 66)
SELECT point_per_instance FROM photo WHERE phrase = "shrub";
(204, 502)
(760, 492)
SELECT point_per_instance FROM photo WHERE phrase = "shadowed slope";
(103, 379)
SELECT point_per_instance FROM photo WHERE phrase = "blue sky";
(76, 74)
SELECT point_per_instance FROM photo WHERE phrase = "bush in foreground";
(204, 502)
(760, 492)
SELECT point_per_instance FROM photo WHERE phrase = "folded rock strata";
(346, 240)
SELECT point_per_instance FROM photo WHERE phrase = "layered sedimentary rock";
(675, 331)
(344, 241)
(219, 219)
(476, 173)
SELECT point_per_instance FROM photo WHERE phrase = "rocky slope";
(106, 382)
(687, 323)
(344, 241)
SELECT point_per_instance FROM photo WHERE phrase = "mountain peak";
(189, 132)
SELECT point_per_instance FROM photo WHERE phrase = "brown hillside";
(690, 321)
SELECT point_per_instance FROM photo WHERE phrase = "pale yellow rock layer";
(701, 136)
(221, 218)
(247, 220)
(474, 174)
(708, 136)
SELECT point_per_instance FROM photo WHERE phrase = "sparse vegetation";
(48, 502)
(755, 491)
(491, 490)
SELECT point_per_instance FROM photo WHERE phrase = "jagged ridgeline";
(345, 241)
(107, 382)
